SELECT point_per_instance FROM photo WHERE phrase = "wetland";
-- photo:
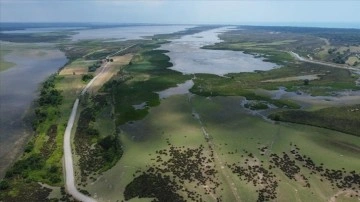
(197, 113)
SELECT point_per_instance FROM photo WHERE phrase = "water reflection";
(188, 57)
(126, 33)
(18, 87)
(180, 89)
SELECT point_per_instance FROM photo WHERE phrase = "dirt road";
(69, 169)
(69, 165)
(298, 57)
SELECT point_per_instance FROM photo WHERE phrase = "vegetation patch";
(347, 118)
(35, 37)
(87, 77)
(266, 178)
(95, 66)
(97, 152)
(4, 65)
(96, 49)
(41, 161)
(331, 80)
(146, 74)
(25, 191)
(156, 186)
(212, 85)
(183, 169)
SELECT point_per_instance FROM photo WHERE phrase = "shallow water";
(126, 33)
(180, 89)
(188, 57)
(18, 87)
(306, 100)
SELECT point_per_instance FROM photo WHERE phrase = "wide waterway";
(188, 57)
(18, 87)
(126, 32)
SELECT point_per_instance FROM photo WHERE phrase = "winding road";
(69, 165)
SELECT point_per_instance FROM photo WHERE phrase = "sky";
(181, 11)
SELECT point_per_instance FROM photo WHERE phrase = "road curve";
(298, 57)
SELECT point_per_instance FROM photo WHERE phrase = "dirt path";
(69, 165)
(109, 71)
(69, 168)
(347, 193)
(218, 161)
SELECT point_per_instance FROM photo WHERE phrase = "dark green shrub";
(4, 184)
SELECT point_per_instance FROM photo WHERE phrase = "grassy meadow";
(234, 134)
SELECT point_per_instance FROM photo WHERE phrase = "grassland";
(139, 81)
(160, 141)
(173, 124)
(330, 80)
(233, 131)
(35, 37)
(95, 49)
(347, 118)
(331, 45)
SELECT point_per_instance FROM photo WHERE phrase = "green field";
(232, 131)
(347, 118)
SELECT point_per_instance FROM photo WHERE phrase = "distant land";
(7, 26)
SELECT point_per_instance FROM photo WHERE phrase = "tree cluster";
(50, 98)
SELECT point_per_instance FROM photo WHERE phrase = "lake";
(188, 57)
(18, 87)
(126, 32)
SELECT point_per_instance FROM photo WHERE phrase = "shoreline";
(11, 156)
